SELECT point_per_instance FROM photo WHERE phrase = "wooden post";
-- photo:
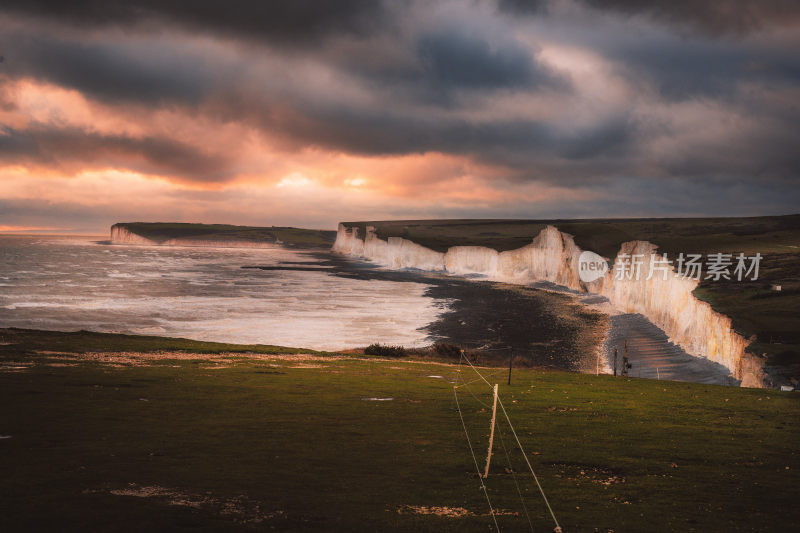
(626, 366)
(615, 360)
(491, 433)
(510, 363)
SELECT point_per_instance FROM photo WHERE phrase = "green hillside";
(215, 442)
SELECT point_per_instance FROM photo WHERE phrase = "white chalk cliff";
(122, 235)
(553, 256)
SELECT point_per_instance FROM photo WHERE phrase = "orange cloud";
(22, 229)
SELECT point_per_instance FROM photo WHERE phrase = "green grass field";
(17, 340)
(162, 231)
(241, 443)
(772, 317)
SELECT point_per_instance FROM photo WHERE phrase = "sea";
(294, 298)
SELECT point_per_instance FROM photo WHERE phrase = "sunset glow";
(396, 111)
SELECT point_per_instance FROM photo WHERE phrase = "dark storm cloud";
(110, 72)
(450, 66)
(682, 69)
(519, 143)
(608, 139)
(454, 59)
(395, 134)
(713, 17)
(726, 17)
(294, 22)
(446, 65)
(449, 63)
(524, 7)
(63, 147)
(375, 79)
(765, 154)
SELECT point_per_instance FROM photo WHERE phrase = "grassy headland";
(164, 231)
(237, 442)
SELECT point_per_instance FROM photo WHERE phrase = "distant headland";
(218, 235)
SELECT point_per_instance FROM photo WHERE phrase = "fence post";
(491, 434)
(510, 363)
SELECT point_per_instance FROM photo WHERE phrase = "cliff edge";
(667, 301)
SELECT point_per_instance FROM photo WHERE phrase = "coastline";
(544, 329)
(553, 257)
(545, 325)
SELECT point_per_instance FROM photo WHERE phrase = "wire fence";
(474, 386)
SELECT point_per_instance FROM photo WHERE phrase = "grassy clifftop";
(164, 231)
(777, 234)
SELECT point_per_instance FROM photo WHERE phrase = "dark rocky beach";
(543, 325)
(542, 328)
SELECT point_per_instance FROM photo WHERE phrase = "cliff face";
(667, 301)
(122, 235)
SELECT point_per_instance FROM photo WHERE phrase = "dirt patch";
(448, 512)
(55, 355)
(240, 508)
(15, 366)
(600, 476)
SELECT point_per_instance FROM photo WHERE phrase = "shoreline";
(546, 325)
(652, 354)
(650, 351)
(544, 329)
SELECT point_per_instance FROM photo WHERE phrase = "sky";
(309, 112)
